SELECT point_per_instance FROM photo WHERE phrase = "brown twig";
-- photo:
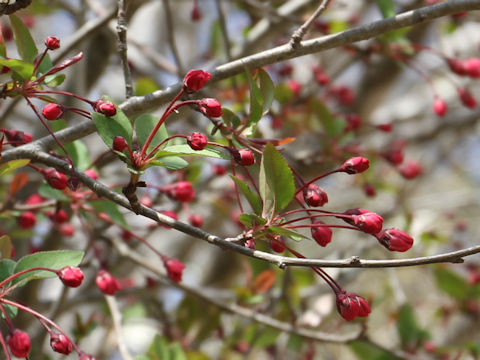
(122, 47)
(298, 34)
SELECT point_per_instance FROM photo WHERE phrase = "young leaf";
(110, 127)
(287, 233)
(5, 247)
(25, 44)
(408, 329)
(144, 125)
(22, 68)
(79, 153)
(256, 99)
(267, 88)
(250, 220)
(111, 209)
(171, 163)
(251, 197)
(6, 268)
(186, 150)
(230, 118)
(387, 7)
(451, 283)
(367, 351)
(10, 166)
(50, 193)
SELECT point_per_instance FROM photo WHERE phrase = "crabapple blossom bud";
(244, 157)
(351, 305)
(219, 170)
(210, 107)
(294, 86)
(321, 234)
(365, 220)
(467, 98)
(59, 216)
(107, 283)
(19, 343)
(395, 240)
(196, 14)
(55, 179)
(197, 141)
(369, 190)
(472, 67)
(250, 243)
(277, 244)
(105, 107)
(71, 276)
(385, 127)
(174, 269)
(195, 220)
(181, 191)
(53, 111)
(52, 43)
(119, 143)
(61, 344)
(353, 122)
(457, 66)
(195, 80)
(411, 169)
(439, 106)
(320, 76)
(34, 199)
(84, 356)
(314, 195)
(66, 229)
(27, 220)
(91, 173)
(17, 137)
(355, 165)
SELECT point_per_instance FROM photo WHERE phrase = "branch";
(117, 326)
(171, 36)
(122, 47)
(298, 35)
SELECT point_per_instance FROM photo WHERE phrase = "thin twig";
(171, 36)
(298, 34)
(224, 30)
(122, 47)
(117, 326)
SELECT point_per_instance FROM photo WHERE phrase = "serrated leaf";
(22, 68)
(50, 259)
(5, 247)
(366, 351)
(10, 166)
(171, 163)
(451, 283)
(110, 127)
(50, 193)
(251, 220)
(387, 8)
(144, 125)
(267, 89)
(25, 44)
(111, 209)
(251, 197)
(291, 234)
(186, 150)
(255, 99)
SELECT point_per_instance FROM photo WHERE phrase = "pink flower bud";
(314, 195)
(457, 66)
(52, 43)
(277, 244)
(351, 305)
(91, 173)
(320, 76)
(472, 67)
(355, 165)
(19, 343)
(411, 169)
(107, 283)
(365, 220)
(34, 199)
(174, 269)
(250, 243)
(195, 80)
(295, 87)
(244, 157)
(61, 344)
(66, 229)
(353, 122)
(210, 107)
(59, 216)
(197, 141)
(195, 220)
(385, 127)
(395, 240)
(55, 179)
(321, 234)
(196, 14)
(53, 111)
(105, 107)
(119, 143)
(27, 220)
(439, 107)
(84, 356)
(181, 191)
(219, 170)
(17, 137)
(369, 190)
(467, 98)
(71, 276)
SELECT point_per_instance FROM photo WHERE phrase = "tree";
(317, 148)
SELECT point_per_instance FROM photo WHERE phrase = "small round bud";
(53, 111)
(119, 143)
(61, 344)
(467, 98)
(387, 127)
(354, 121)
(411, 169)
(34, 199)
(174, 269)
(210, 107)
(355, 165)
(219, 170)
(277, 244)
(107, 283)
(19, 343)
(395, 240)
(351, 305)
(196, 14)
(472, 67)
(439, 107)
(91, 173)
(314, 195)
(66, 229)
(105, 107)
(59, 216)
(195, 220)
(244, 157)
(71, 276)
(321, 234)
(55, 179)
(369, 190)
(181, 191)
(17, 137)
(197, 141)
(365, 220)
(27, 220)
(195, 80)
(52, 43)
(457, 66)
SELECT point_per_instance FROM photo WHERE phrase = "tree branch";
(298, 35)
(122, 47)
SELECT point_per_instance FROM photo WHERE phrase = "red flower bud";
(439, 107)
(105, 107)
(467, 98)
(52, 43)
(195, 80)
(244, 157)
(472, 67)
(61, 344)
(395, 240)
(385, 127)
(119, 143)
(53, 111)
(365, 220)
(197, 141)
(320, 76)
(321, 234)
(71, 276)
(411, 169)
(66, 229)
(351, 305)
(195, 220)
(91, 173)
(369, 190)
(219, 170)
(174, 269)
(355, 165)
(19, 343)
(314, 195)
(27, 220)
(210, 107)
(107, 283)
(55, 179)
(34, 199)
(17, 137)
(59, 216)
(181, 191)
(277, 244)
(294, 86)
(84, 356)
(196, 14)
(457, 66)
(353, 122)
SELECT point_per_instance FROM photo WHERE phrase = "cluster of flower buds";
(351, 305)
(465, 67)
(314, 195)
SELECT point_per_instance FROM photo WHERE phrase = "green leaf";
(186, 150)
(10, 166)
(144, 125)
(158, 350)
(387, 8)
(11, 310)
(5, 247)
(251, 197)
(171, 163)
(367, 351)
(408, 329)
(451, 283)
(25, 44)
(50, 193)
(110, 127)
(333, 126)
(250, 220)
(267, 88)
(283, 93)
(54, 80)
(22, 68)
(144, 86)
(287, 233)
(111, 209)
(255, 99)
(277, 186)
(230, 118)
(6, 268)
(176, 352)
(50, 259)
(79, 153)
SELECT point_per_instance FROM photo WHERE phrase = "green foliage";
(451, 283)
(144, 124)
(387, 7)
(411, 334)
(11, 166)
(251, 220)
(171, 163)
(111, 209)
(25, 44)
(291, 234)
(144, 86)
(367, 351)
(261, 94)
(5, 247)
(186, 150)
(22, 68)
(79, 153)
(50, 193)
(110, 127)
(252, 198)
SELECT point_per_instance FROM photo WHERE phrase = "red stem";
(4, 346)
(11, 277)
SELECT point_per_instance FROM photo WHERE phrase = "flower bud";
(369, 190)
(181, 191)
(395, 240)
(320, 76)
(355, 165)
(314, 195)
(34, 199)
(61, 344)
(84, 356)
(196, 14)
(71, 276)
(66, 229)
(92, 173)
(55, 179)
(295, 87)
(52, 43)
(244, 157)
(354, 121)
(53, 111)
(277, 244)
(195, 220)
(467, 98)
(195, 80)
(472, 67)
(457, 66)
(17, 137)
(105, 107)
(59, 216)
(210, 107)
(351, 305)
(19, 343)
(119, 143)
(365, 220)
(107, 283)
(27, 220)
(387, 127)
(411, 169)
(321, 234)
(197, 141)
(219, 170)
(174, 269)
(439, 106)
